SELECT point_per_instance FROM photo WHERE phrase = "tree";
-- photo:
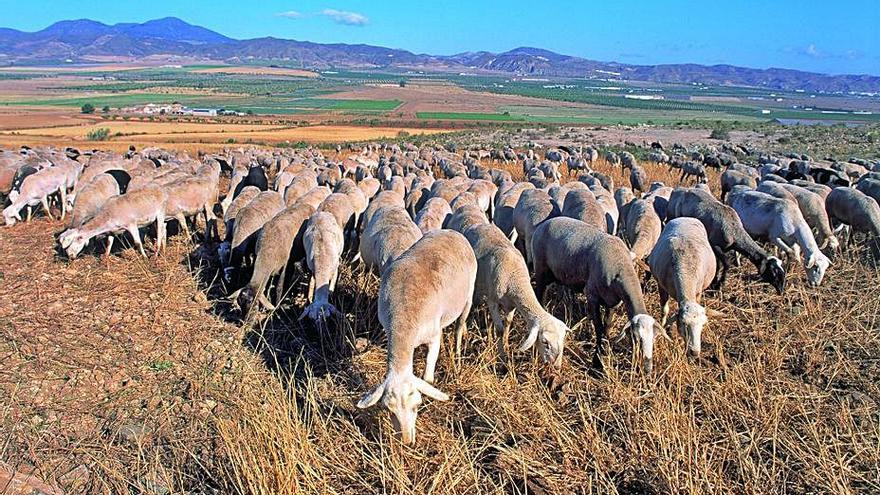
(88, 108)
(106, 109)
(402, 83)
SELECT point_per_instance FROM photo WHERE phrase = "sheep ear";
(430, 390)
(372, 397)
(623, 333)
(530, 339)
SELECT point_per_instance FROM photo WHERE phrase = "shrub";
(88, 108)
(720, 133)
(98, 134)
(106, 109)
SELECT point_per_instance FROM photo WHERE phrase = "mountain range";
(81, 41)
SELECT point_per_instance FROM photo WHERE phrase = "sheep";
(299, 186)
(871, 188)
(659, 197)
(574, 254)
(127, 212)
(340, 206)
(314, 197)
(433, 215)
(383, 199)
(370, 187)
(279, 241)
(243, 199)
(91, 198)
(781, 221)
(389, 233)
(731, 178)
(323, 241)
(248, 222)
(726, 233)
(643, 228)
(534, 206)
(638, 179)
(693, 169)
(424, 290)
(582, 205)
(812, 207)
(820, 189)
(485, 192)
(504, 206)
(189, 197)
(35, 190)
(609, 204)
(623, 196)
(503, 281)
(857, 211)
(464, 217)
(684, 266)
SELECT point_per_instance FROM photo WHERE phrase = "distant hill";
(84, 40)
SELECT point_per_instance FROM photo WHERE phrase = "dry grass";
(254, 70)
(783, 401)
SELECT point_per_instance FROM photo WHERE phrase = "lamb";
(389, 233)
(731, 178)
(433, 215)
(638, 179)
(323, 241)
(127, 212)
(643, 228)
(684, 265)
(726, 233)
(857, 211)
(693, 169)
(781, 221)
(582, 205)
(534, 206)
(91, 198)
(812, 207)
(503, 281)
(280, 241)
(574, 254)
(35, 190)
(417, 299)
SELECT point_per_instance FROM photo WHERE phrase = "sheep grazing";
(781, 221)
(323, 241)
(684, 265)
(35, 190)
(244, 198)
(127, 212)
(433, 215)
(582, 205)
(812, 207)
(248, 222)
(693, 169)
(871, 187)
(731, 178)
(638, 179)
(300, 186)
(194, 195)
(465, 217)
(534, 206)
(389, 233)
(441, 269)
(505, 202)
(503, 281)
(574, 254)
(857, 211)
(91, 198)
(280, 241)
(340, 206)
(726, 233)
(314, 197)
(643, 228)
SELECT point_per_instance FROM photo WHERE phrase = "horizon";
(837, 44)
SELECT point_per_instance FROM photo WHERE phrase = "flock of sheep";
(444, 231)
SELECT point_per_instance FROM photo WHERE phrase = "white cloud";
(290, 14)
(812, 51)
(345, 17)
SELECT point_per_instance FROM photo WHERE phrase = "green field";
(496, 117)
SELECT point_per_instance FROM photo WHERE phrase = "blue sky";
(834, 37)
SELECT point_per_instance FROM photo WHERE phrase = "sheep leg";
(63, 192)
(29, 213)
(45, 202)
(721, 269)
(181, 220)
(664, 303)
(161, 233)
(461, 328)
(595, 310)
(431, 358)
(312, 289)
(333, 280)
(279, 286)
(133, 230)
(789, 251)
(110, 239)
(500, 329)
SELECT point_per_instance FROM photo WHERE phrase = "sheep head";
(402, 395)
(773, 273)
(815, 266)
(73, 243)
(691, 320)
(10, 215)
(644, 329)
(549, 332)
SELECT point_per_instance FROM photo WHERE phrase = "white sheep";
(323, 241)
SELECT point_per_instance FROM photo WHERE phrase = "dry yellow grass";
(783, 401)
(149, 129)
